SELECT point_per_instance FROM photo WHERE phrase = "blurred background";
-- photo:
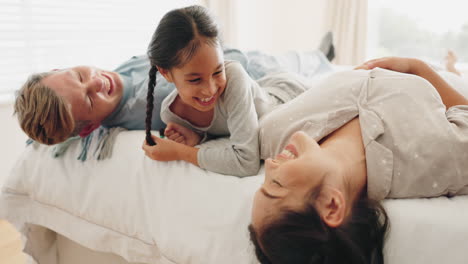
(42, 35)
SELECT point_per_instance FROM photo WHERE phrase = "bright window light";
(419, 28)
(41, 35)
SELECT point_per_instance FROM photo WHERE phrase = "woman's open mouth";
(288, 153)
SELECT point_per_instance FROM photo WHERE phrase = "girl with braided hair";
(213, 97)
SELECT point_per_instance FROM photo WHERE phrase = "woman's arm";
(449, 95)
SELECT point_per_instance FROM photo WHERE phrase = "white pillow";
(135, 207)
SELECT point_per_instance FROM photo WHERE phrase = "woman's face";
(290, 177)
(202, 80)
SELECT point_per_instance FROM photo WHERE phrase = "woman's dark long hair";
(175, 41)
(303, 238)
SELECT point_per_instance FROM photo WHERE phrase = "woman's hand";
(181, 134)
(164, 150)
(404, 65)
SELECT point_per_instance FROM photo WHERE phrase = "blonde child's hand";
(404, 65)
(164, 150)
(181, 134)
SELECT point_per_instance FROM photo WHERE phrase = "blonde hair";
(44, 115)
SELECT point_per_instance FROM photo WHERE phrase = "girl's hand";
(164, 150)
(404, 65)
(181, 134)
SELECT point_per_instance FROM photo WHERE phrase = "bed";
(130, 209)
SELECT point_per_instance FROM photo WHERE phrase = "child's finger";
(171, 127)
(361, 67)
(169, 132)
(174, 136)
(156, 139)
(179, 139)
(147, 147)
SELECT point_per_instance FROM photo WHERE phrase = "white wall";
(12, 140)
(273, 26)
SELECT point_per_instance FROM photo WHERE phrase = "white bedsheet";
(174, 212)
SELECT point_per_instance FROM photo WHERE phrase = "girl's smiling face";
(202, 80)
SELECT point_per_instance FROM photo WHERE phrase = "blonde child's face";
(201, 81)
(93, 94)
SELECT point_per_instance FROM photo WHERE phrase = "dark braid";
(174, 42)
(150, 104)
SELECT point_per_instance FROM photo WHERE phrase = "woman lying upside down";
(340, 148)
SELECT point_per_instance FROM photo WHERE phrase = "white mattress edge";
(57, 220)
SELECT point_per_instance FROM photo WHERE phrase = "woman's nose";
(271, 164)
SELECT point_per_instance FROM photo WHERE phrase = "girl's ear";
(165, 73)
(331, 206)
(88, 129)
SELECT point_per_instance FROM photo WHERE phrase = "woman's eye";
(277, 183)
(217, 73)
(90, 102)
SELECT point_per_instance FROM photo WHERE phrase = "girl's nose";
(212, 88)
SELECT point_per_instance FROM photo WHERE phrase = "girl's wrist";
(187, 153)
(179, 150)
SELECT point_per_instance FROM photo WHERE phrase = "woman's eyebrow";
(267, 194)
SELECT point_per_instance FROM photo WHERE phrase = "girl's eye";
(194, 80)
(81, 77)
(217, 73)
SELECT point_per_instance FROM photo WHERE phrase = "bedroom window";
(40, 35)
(423, 29)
